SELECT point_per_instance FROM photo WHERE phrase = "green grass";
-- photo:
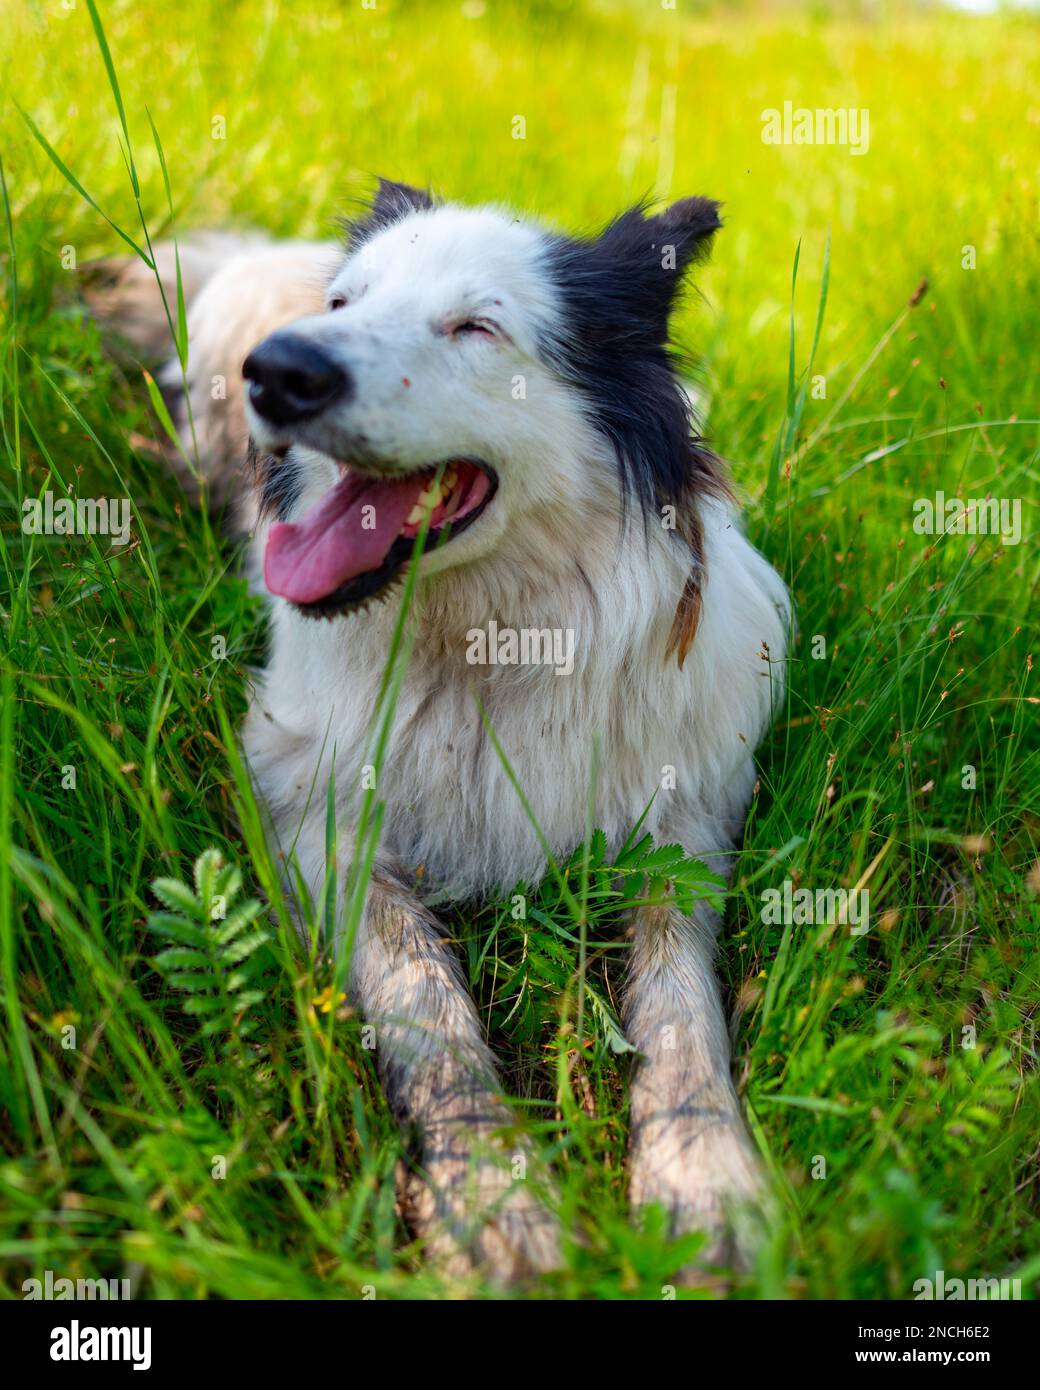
(850, 1050)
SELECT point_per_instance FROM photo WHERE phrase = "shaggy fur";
(610, 519)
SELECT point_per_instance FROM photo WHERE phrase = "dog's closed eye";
(471, 328)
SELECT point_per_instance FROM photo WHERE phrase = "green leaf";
(612, 1030)
(244, 947)
(247, 999)
(176, 928)
(113, 82)
(178, 896)
(228, 883)
(195, 981)
(664, 859)
(236, 921)
(206, 867)
(634, 854)
(203, 1004)
(180, 958)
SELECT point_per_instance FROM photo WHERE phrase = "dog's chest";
(458, 808)
(466, 782)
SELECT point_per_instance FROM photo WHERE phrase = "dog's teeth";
(435, 494)
(432, 497)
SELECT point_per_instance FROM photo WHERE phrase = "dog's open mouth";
(356, 540)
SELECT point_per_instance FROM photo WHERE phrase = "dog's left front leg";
(474, 1202)
(689, 1150)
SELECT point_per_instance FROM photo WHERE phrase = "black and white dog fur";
(535, 370)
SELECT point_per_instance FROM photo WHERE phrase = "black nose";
(291, 378)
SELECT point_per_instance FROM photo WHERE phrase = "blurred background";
(277, 114)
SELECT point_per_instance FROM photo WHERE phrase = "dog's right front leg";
(474, 1203)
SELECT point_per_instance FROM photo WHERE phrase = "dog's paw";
(476, 1218)
(706, 1181)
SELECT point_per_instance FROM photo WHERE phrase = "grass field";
(889, 1078)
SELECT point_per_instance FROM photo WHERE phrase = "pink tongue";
(347, 533)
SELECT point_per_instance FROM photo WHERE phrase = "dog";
(504, 399)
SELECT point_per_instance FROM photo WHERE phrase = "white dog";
(511, 389)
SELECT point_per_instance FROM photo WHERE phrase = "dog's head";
(470, 371)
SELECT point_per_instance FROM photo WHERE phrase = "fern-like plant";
(213, 960)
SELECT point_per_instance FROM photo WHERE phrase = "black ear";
(652, 253)
(391, 203)
(610, 340)
(690, 226)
